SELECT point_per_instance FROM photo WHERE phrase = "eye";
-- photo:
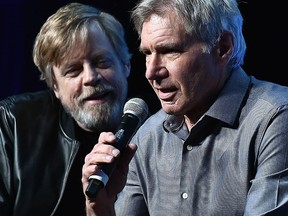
(72, 71)
(103, 63)
(170, 51)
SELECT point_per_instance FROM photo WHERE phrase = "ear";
(225, 47)
(55, 89)
(127, 69)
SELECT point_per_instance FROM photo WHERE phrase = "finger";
(128, 154)
(106, 137)
(104, 155)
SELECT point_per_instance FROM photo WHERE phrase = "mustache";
(97, 91)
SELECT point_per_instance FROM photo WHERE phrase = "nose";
(154, 65)
(90, 75)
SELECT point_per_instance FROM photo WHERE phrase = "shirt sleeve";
(268, 194)
(130, 201)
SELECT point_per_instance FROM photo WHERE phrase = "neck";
(189, 123)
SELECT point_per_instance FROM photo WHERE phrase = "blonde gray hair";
(68, 28)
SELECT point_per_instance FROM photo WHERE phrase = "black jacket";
(34, 128)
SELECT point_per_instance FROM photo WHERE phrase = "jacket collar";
(67, 124)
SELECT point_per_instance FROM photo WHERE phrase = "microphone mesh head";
(137, 107)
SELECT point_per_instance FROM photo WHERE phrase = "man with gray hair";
(219, 145)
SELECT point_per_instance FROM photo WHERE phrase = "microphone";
(134, 114)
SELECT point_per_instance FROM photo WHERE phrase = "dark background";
(20, 21)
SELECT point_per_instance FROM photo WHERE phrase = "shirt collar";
(226, 107)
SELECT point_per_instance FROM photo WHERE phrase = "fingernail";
(115, 152)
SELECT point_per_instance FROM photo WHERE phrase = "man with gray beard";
(82, 56)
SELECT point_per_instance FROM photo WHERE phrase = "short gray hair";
(203, 20)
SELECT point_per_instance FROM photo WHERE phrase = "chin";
(168, 109)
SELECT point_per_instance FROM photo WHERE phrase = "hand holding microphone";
(135, 112)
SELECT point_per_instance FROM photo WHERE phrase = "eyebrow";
(165, 46)
(68, 63)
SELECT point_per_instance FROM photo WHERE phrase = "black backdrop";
(20, 21)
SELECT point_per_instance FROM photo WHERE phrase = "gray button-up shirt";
(233, 162)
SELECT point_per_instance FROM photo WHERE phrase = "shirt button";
(184, 195)
(189, 147)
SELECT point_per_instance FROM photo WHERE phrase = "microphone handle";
(127, 128)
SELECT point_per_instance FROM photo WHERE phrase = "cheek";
(69, 88)
(187, 77)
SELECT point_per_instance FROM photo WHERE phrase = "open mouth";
(166, 93)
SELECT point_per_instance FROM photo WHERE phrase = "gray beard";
(99, 118)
